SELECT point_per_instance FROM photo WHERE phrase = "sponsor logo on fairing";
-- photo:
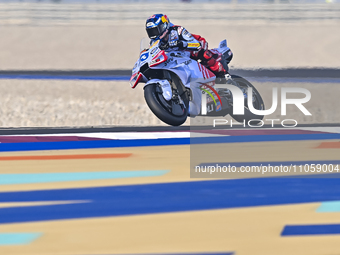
(154, 51)
(205, 90)
(187, 62)
(144, 56)
(223, 44)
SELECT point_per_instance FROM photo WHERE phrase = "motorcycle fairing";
(136, 78)
(178, 62)
(158, 59)
(192, 73)
(223, 47)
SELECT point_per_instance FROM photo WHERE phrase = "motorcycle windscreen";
(144, 44)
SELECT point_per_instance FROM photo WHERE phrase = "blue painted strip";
(168, 197)
(159, 142)
(8, 179)
(297, 230)
(91, 144)
(332, 206)
(277, 163)
(64, 77)
(18, 238)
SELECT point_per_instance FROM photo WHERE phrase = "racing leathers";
(179, 38)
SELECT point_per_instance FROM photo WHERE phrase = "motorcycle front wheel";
(172, 112)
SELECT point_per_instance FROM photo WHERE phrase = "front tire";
(170, 112)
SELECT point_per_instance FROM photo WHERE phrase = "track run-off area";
(127, 190)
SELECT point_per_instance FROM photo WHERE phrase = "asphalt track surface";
(124, 198)
(19, 131)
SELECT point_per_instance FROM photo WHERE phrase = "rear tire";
(160, 107)
(258, 106)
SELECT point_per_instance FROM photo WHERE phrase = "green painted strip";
(332, 206)
(9, 179)
(18, 238)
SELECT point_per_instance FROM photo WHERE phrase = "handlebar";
(164, 46)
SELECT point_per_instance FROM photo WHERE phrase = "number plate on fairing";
(144, 57)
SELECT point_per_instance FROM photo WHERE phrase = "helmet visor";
(153, 32)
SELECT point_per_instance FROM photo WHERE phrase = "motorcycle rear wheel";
(258, 104)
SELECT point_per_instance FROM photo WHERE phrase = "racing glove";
(180, 44)
(163, 46)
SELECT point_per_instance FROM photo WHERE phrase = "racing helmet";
(157, 25)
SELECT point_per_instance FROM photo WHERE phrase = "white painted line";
(323, 129)
(121, 135)
(41, 203)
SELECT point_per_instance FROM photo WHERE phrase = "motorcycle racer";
(158, 27)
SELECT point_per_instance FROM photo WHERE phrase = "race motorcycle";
(174, 84)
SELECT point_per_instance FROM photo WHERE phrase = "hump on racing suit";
(178, 38)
